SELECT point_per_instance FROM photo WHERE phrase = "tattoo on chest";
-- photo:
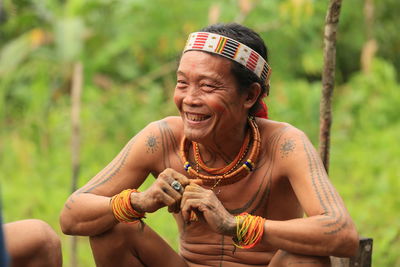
(260, 199)
(287, 147)
(152, 143)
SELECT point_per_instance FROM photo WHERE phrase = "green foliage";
(364, 156)
(128, 50)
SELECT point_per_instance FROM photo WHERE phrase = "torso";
(265, 192)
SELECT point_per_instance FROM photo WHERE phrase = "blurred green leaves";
(68, 39)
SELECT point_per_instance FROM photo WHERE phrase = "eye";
(181, 83)
(208, 87)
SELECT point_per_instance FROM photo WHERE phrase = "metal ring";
(176, 185)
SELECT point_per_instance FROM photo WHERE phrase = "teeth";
(196, 117)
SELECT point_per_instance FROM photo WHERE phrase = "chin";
(196, 131)
(194, 134)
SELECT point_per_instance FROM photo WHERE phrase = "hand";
(204, 202)
(161, 193)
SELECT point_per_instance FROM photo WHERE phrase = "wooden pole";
(328, 79)
(75, 142)
(370, 46)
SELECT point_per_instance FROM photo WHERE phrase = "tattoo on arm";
(108, 172)
(287, 147)
(325, 192)
(152, 143)
(168, 141)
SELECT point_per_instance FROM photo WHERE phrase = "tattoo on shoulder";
(152, 143)
(287, 147)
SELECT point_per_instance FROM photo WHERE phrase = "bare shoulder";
(160, 142)
(282, 142)
(163, 132)
(173, 124)
(276, 131)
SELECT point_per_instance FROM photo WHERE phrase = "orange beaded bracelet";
(122, 208)
(249, 230)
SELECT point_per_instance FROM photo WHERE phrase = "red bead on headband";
(232, 49)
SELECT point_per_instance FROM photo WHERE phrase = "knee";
(120, 236)
(115, 235)
(47, 239)
(283, 258)
(33, 241)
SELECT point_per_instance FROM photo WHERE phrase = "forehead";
(203, 63)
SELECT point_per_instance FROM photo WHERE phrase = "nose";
(192, 96)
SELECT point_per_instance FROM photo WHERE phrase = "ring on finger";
(176, 185)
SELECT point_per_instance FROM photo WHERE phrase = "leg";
(133, 245)
(283, 258)
(32, 243)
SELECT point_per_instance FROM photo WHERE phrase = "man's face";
(207, 97)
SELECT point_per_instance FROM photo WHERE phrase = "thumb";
(197, 182)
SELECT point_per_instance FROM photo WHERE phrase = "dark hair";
(244, 77)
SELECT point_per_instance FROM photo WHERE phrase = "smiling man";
(244, 190)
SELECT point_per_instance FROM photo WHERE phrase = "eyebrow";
(215, 78)
(180, 73)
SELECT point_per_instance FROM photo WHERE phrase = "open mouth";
(196, 117)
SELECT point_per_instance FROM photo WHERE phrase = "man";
(238, 186)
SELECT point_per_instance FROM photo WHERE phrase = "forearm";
(316, 235)
(87, 214)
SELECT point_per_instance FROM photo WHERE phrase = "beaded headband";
(232, 49)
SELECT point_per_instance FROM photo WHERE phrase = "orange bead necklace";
(226, 169)
(231, 173)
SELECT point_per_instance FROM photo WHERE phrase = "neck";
(223, 149)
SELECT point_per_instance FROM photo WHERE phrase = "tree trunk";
(328, 79)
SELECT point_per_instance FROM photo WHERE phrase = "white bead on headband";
(232, 49)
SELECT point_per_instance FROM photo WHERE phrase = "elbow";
(346, 245)
(66, 224)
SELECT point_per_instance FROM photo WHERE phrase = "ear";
(252, 95)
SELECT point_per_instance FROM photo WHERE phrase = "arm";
(328, 228)
(88, 211)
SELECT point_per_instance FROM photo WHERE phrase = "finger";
(166, 199)
(177, 186)
(180, 178)
(188, 206)
(170, 175)
(193, 195)
(169, 190)
(175, 208)
(197, 181)
(195, 188)
(166, 176)
(188, 195)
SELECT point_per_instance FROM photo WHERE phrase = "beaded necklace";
(226, 169)
(233, 174)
